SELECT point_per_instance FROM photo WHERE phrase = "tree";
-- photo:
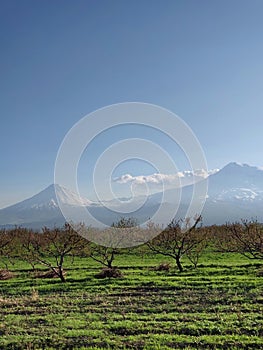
(246, 238)
(175, 241)
(111, 241)
(124, 222)
(6, 247)
(194, 254)
(103, 255)
(51, 247)
(24, 246)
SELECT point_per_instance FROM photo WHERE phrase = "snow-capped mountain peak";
(69, 197)
(51, 197)
(42, 207)
(235, 175)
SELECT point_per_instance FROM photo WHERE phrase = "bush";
(163, 267)
(49, 274)
(109, 273)
(5, 275)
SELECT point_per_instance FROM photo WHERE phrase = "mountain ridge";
(234, 192)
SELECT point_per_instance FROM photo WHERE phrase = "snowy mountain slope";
(235, 193)
(42, 207)
(235, 175)
(237, 182)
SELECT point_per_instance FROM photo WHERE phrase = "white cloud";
(179, 179)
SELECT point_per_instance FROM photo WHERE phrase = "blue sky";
(61, 60)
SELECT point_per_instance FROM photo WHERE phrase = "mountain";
(237, 181)
(42, 209)
(235, 192)
(235, 175)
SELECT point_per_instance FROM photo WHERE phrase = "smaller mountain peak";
(230, 168)
(55, 186)
(51, 187)
(240, 166)
(233, 165)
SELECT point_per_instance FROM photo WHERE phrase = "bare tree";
(112, 240)
(175, 241)
(125, 222)
(103, 255)
(246, 238)
(51, 247)
(24, 243)
(6, 246)
(201, 239)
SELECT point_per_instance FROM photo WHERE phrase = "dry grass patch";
(48, 274)
(164, 266)
(109, 273)
(6, 275)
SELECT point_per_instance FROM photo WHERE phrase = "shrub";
(163, 267)
(6, 275)
(109, 273)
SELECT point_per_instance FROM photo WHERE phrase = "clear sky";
(61, 60)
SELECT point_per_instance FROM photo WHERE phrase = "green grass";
(216, 306)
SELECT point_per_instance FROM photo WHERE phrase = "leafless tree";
(112, 241)
(51, 247)
(6, 246)
(103, 255)
(175, 241)
(201, 238)
(246, 238)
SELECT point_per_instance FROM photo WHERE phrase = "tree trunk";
(61, 276)
(178, 263)
(110, 260)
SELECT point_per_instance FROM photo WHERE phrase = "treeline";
(52, 247)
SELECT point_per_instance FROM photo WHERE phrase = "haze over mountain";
(234, 192)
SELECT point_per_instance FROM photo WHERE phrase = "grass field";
(216, 306)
